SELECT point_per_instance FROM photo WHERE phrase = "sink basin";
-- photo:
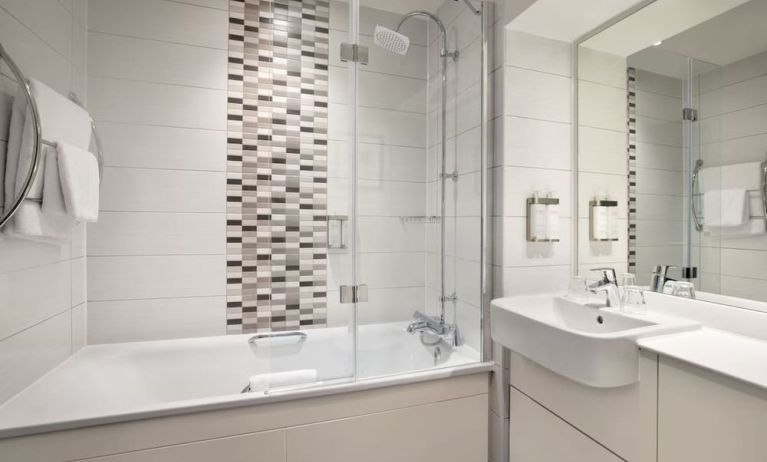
(593, 346)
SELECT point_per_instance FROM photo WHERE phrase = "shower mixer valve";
(435, 328)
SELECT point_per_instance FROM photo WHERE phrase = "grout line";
(43, 41)
(3, 339)
(156, 82)
(194, 5)
(97, 31)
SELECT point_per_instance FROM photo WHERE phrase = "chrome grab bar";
(301, 336)
(693, 205)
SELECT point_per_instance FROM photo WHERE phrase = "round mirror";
(19, 141)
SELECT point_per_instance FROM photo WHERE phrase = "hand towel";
(77, 182)
(30, 223)
(726, 208)
(53, 196)
(263, 382)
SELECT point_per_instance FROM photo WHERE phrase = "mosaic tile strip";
(632, 161)
(277, 165)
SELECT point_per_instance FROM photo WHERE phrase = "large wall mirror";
(672, 145)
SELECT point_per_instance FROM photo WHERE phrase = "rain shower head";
(391, 40)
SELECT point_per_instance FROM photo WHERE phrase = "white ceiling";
(658, 21)
(727, 38)
(566, 20)
(403, 6)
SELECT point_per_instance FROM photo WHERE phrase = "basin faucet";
(660, 277)
(434, 325)
(609, 285)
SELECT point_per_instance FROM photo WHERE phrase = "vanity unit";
(686, 381)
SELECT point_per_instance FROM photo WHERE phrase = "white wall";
(157, 81)
(733, 129)
(42, 286)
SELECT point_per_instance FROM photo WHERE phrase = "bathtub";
(109, 383)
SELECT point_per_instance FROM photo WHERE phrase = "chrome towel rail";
(698, 219)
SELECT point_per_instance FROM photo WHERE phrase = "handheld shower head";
(391, 40)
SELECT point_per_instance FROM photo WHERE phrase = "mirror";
(19, 141)
(672, 125)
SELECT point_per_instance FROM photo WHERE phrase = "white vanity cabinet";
(622, 419)
(707, 417)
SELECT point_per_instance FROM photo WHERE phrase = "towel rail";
(39, 140)
(35, 165)
(762, 191)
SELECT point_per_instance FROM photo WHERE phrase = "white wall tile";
(658, 106)
(128, 145)
(536, 143)
(536, 95)
(136, 102)
(592, 252)
(537, 53)
(23, 303)
(602, 151)
(31, 353)
(602, 106)
(602, 68)
(43, 18)
(157, 233)
(164, 21)
(155, 61)
(154, 190)
(513, 250)
(141, 320)
(531, 280)
(139, 277)
(79, 327)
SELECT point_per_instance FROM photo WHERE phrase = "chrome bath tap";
(425, 324)
(609, 285)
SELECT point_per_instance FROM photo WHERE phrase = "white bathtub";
(118, 382)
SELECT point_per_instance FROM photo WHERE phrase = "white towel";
(263, 382)
(53, 196)
(31, 223)
(72, 183)
(726, 208)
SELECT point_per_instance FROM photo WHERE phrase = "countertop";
(730, 354)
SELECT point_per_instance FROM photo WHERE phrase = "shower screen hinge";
(355, 53)
(354, 294)
(690, 114)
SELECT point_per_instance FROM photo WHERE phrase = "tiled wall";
(732, 129)
(602, 153)
(157, 82)
(660, 171)
(532, 153)
(42, 286)
(277, 163)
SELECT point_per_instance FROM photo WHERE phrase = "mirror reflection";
(673, 127)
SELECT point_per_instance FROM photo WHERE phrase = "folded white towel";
(31, 223)
(726, 208)
(263, 382)
(72, 183)
(53, 196)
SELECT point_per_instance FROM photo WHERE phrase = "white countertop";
(733, 355)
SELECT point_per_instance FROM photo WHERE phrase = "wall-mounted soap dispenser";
(542, 218)
(604, 225)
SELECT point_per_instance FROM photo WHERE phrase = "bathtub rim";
(223, 402)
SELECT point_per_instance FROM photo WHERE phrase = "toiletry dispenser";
(542, 218)
(604, 225)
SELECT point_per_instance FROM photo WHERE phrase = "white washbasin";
(593, 346)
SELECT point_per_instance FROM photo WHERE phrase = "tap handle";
(663, 269)
(606, 272)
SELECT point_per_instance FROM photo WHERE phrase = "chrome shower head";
(391, 40)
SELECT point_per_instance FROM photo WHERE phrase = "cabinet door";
(261, 447)
(706, 417)
(448, 431)
(538, 435)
